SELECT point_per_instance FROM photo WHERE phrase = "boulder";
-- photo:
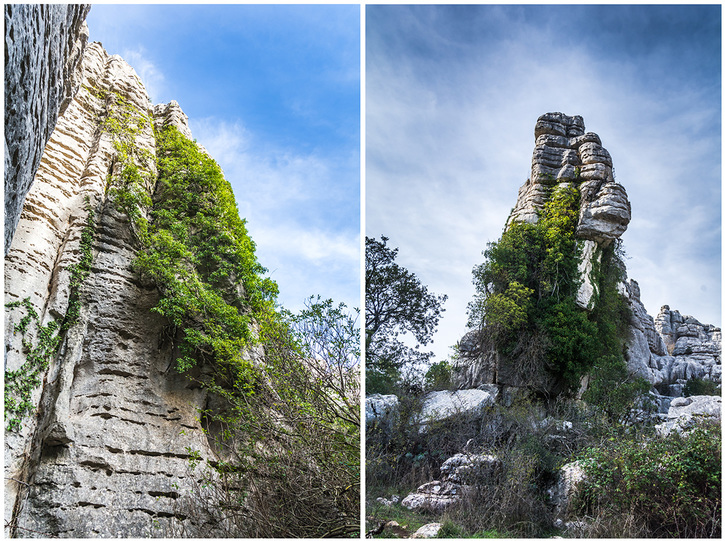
(466, 468)
(427, 531)
(569, 480)
(435, 496)
(686, 413)
(441, 405)
(381, 411)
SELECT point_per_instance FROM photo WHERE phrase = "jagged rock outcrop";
(459, 474)
(440, 406)
(569, 481)
(687, 412)
(381, 411)
(564, 153)
(671, 349)
(44, 44)
(107, 454)
(667, 351)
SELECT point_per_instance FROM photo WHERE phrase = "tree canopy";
(396, 303)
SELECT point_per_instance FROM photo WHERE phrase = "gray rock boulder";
(686, 413)
(466, 468)
(381, 411)
(439, 406)
(459, 473)
(569, 480)
(435, 497)
(427, 531)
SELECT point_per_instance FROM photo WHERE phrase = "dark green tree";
(396, 303)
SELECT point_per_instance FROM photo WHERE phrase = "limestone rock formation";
(427, 531)
(434, 497)
(686, 413)
(469, 403)
(107, 453)
(667, 351)
(44, 44)
(381, 411)
(569, 481)
(564, 153)
(459, 474)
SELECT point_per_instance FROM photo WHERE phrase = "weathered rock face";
(565, 153)
(381, 411)
(439, 406)
(686, 413)
(459, 474)
(107, 452)
(44, 44)
(569, 481)
(671, 349)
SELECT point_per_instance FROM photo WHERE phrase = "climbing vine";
(20, 383)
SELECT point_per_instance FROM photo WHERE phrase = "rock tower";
(667, 351)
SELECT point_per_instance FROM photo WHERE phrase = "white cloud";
(151, 76)
(295, 206)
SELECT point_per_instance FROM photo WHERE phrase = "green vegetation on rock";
(40, 349)
(526, 300)
(197, 252)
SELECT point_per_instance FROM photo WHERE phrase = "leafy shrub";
(670, 487)
(698, 386)
(196, 250)
(290, 454)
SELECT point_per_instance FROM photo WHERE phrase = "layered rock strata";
(44, 44)
(564, 153)
(106, 452)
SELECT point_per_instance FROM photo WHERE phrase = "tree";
(288, 453)
(396, 303)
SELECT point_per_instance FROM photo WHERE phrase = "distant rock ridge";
(666, 351)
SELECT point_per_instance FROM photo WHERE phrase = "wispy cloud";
(451, 105)
(297, 208)
(151, 76)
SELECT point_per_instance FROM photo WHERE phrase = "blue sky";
(273, 93)
(452, 96)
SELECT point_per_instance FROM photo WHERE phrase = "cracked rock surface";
(107, 454)
(44, 44)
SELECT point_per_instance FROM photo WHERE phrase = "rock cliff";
(666, 351)
(44, 44)
(103, 447)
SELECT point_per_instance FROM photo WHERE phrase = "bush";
(698, 386)
(526, 291)
(665, 487)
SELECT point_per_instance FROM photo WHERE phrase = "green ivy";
(20, 383)
(196, 250)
